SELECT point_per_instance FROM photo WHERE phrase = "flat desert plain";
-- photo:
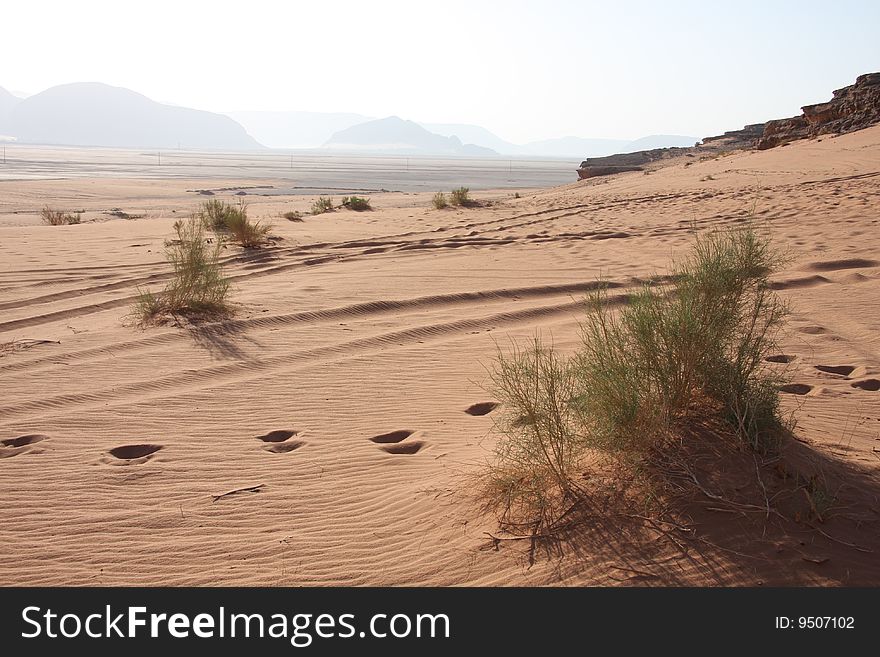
(337, 408)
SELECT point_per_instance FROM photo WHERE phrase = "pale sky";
(525, 70)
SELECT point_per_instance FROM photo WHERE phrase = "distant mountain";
(575, 147)
(473, 134)
(659, 141)
(7, 103)
(95, 114)
(295, 129)
(393, 134)
(571, 146)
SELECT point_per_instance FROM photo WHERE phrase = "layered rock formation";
(852, 108)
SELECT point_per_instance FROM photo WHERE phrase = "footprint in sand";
(20, 445)
(392, 442)
(132, 454)
(871, 385)
(481, 408)
(796, 388)
(844, 370)
(780, 358)
(280, 441)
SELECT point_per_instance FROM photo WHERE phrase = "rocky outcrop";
(710, 146)
(611, 164)
(851, 108)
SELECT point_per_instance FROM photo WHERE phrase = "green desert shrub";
(232, 221)
(197, 286)
(460, 196)
(215, 213)
(357, 203)
(672, 356)
(59, 217)
(293, 215)
(439, 201)
(322, 205)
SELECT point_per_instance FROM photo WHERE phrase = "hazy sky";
(526, 70)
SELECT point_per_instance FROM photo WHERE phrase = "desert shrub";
(247, 233)
(322, 205)
(533, 473)
(197, 287)
(460, 196)
(674, 355)
(232, 221)
(357, 203)
(215, 213)
(59, 217)
(439, 201)
(293, 215)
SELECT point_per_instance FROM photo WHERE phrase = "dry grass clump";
(439, 201)
(675, 356)
(322, 205)
(293, 215)
(357, 203)
(460, 197)
(60, 217)
(197, 288)
(232, 221)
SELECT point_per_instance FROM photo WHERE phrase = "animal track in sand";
(284, 448)
(392, 437)
(845, 370)
(872, 385)
(278, 436)
(22, 441)
(279, 439)
(404, 448)
(835, 265)
(16, 446)
(796, 388)
(481, 408)
(780, 358)
(392, 442)
(134, 452)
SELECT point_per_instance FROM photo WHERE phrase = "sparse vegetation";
(197, 288)
(356, 203)
(60, 217)
(439, 201)
(293, 215)
(232, 221)
(649, 369)
(322, 205)
(122, 214)
(460, 196)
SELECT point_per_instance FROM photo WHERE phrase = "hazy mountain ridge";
(393, 134)
(293, 129)
(96, 114)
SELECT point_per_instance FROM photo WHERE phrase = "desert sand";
(336, 401)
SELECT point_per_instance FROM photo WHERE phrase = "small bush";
(675, 355)
(439, 201)
(460, 196)
(293, 215)
(197, 287)
(356, 203)
(322, 205)
(232, 221)
(59, 217)
(215, 213)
